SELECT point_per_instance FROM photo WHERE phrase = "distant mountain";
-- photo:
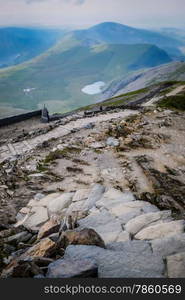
(57, 77)
(115, 33)
(178, 33)
(20, 44)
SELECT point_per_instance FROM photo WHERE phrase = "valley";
(63, 76)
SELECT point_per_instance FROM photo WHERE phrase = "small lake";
(93, 89)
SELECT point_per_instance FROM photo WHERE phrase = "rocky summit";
(96, 194)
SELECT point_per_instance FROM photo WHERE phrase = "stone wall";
(19, 118)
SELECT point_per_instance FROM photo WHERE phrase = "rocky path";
(118, 236)
(103, 199)
(172, 93)
(9, 150)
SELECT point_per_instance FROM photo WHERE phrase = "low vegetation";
(173, 102)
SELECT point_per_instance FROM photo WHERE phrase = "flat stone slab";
(38, 217)
(114, 197)
(119, 264)
(176, 265)
(104, 224)
(132, 246)
(127, 211)
(70, 268)
(161, 230)
(58, 204)
(142, 221)
(169, 245)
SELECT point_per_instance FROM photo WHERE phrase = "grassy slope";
(59, 75)
(25, 42)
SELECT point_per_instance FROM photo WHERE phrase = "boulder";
(83, 237)
(45, 248)
(58, 204)
(176, 265)
(142, 221)
(114, 197)
(52, 226)
(119, 264)
(161, 230)
(69, 268)
(94, 195)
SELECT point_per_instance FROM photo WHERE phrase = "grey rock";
(97, 145)
(94, 195)
(114, 197)
(142, 221)
(123, 236)
(169, 245)
(104, 224)
(127, 211)
(69, 268)
(176, 265)
(39, 196)
(19, 237)
(161, 230)
(119, 264)
(59, 203)
(81, 195)
(112, 142)
(89, 126)
(134, 247)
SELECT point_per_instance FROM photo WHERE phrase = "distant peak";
(109, 25)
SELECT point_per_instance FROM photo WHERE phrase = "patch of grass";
(41, 167)
(173, 102)
(133, 93)
(97, 151)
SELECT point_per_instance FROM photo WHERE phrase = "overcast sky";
(83, 13)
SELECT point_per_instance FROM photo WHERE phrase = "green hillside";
(57, 77)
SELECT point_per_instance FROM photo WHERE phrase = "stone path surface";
(9, 150)
(141, 241)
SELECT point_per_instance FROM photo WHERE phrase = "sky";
(85, 13)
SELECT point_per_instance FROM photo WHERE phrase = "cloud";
(76, 2)
(85, 13)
